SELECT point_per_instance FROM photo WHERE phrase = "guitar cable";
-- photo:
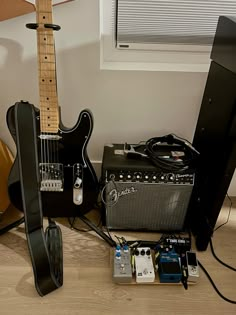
(173, 164)
(12, 225)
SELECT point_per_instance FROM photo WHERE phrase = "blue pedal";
(169, 268)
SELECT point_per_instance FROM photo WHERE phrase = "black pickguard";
(71, 149)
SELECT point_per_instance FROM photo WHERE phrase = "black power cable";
(214, 286)
(211, 243)
(227, 220)
(218, 259)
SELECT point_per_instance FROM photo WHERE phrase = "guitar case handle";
(45, 248)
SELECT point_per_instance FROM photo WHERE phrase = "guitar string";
(56, 99)
(55, 102)
(43, 171)
(47, 121)
(44, 120)
(42, 143)
(40, 99)
(45, 112)
(56, 142)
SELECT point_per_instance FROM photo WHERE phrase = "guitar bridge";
(51, 177)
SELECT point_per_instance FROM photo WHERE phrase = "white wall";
(128, 106)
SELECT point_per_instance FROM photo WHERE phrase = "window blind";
(190, 22)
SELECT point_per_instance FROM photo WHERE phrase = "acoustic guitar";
(67, 181)
(6, 161)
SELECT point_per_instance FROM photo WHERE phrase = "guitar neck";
(49, 110)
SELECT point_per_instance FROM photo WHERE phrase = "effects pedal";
(144, 265)
(122, 271)
(192, 266)
(168, 265)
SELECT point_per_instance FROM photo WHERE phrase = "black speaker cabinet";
(215, 135)
(139, 196)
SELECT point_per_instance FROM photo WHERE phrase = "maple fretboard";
(49, 110)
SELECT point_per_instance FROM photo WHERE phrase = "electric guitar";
(67, 181)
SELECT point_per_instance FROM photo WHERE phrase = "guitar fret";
(49, 86)
(46, 50)
(50, 120)
(45, 66)
(45, 17)
(46, 124)
(44, 11)
(48, 100)
(44, 6)
(48, 81)
(48, 104)
(46, 39)
(48, 111)
(47, 72)
(47, 58)
(47, 76)
(49, 129)
(48, 94)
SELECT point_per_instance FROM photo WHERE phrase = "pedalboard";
(168, 261)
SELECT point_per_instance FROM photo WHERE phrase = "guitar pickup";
(77, 184)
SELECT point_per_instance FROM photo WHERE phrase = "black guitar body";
(70, 149)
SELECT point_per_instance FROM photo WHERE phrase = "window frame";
(164, 58)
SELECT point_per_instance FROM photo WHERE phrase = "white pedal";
(144, 265)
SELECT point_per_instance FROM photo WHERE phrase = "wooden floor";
(88, 286)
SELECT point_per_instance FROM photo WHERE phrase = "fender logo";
(115, 195)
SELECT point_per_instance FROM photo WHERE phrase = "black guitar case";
(45, 248)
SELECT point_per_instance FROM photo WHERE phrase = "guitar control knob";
(112, 176)
(79, 199)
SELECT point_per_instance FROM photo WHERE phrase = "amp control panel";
(149, 177)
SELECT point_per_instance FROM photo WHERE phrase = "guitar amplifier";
(139, 196)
